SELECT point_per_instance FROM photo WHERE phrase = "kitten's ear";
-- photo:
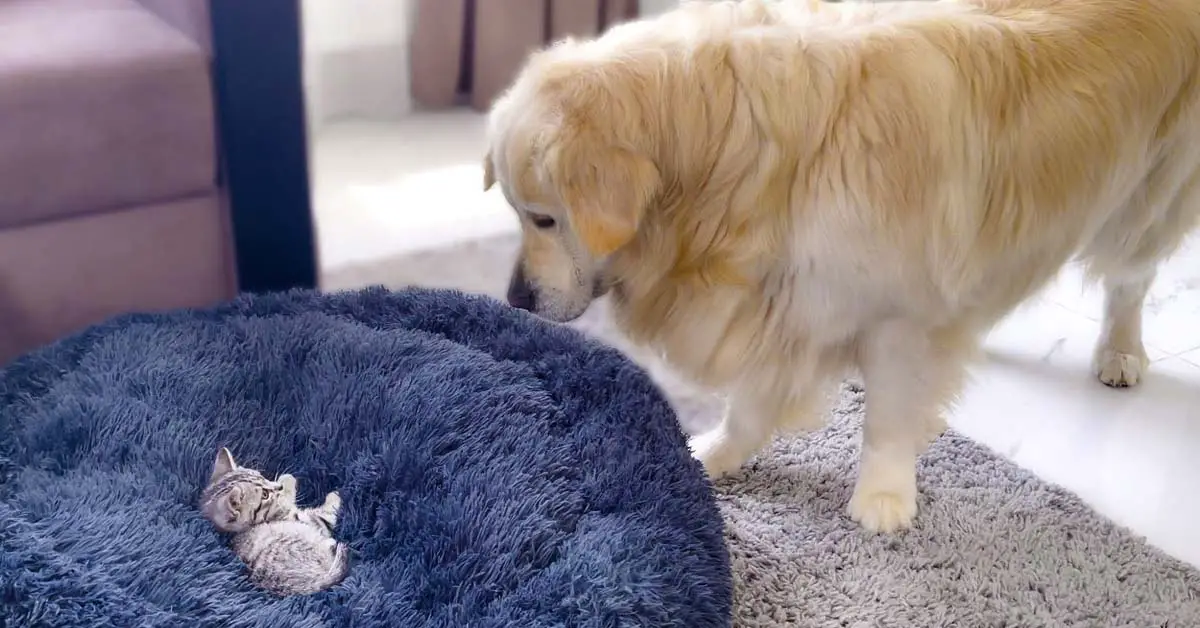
(223, 464)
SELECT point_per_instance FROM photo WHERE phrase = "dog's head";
(568, 149)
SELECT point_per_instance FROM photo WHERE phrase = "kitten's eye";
(542, 221)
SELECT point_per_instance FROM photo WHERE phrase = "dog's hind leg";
(1127, 261)
(1120, 358)
(910, 374)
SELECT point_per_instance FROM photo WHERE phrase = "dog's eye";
(542, 221)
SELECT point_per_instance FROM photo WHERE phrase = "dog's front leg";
(745, 428)
(909, 375)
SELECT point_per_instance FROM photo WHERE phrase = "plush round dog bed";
(495, 470)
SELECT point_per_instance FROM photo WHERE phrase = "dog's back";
(975, 146)
(1081, 137)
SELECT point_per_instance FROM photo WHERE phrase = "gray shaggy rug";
(994, 545)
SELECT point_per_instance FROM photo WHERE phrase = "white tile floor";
(384, 189)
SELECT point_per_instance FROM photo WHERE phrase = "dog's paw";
(886, 511)
(885, 503)
(716, 453)
(1119, 370)
(333, 501)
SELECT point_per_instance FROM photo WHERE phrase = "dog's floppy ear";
(606, 189)
(489, 172)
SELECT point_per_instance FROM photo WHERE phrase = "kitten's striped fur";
(289, 550)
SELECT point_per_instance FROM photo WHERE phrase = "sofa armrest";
(190, 17)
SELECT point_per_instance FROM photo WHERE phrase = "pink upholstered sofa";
(109, 200)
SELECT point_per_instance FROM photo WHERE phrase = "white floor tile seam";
(1157, 351)
(1191, 357)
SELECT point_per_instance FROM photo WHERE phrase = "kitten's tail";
(339, 568)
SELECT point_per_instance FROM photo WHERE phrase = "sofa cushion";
(102, 105)
(56, 278)
(190, 17)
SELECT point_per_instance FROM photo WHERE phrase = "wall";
(652, 7)
(356, 59)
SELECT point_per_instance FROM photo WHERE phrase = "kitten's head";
(237, 498)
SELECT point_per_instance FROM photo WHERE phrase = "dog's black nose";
(520, 294)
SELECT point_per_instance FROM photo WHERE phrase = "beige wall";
(356, 59)
(651, 7)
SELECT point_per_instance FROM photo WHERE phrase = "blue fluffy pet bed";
(495, 470)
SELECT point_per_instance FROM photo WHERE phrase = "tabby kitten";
(289, 550)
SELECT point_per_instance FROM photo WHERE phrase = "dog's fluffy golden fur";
(775, 193)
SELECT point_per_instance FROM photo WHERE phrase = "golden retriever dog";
(778, 193)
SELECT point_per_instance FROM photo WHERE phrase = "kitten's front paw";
(289, 483)
(333, 501)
